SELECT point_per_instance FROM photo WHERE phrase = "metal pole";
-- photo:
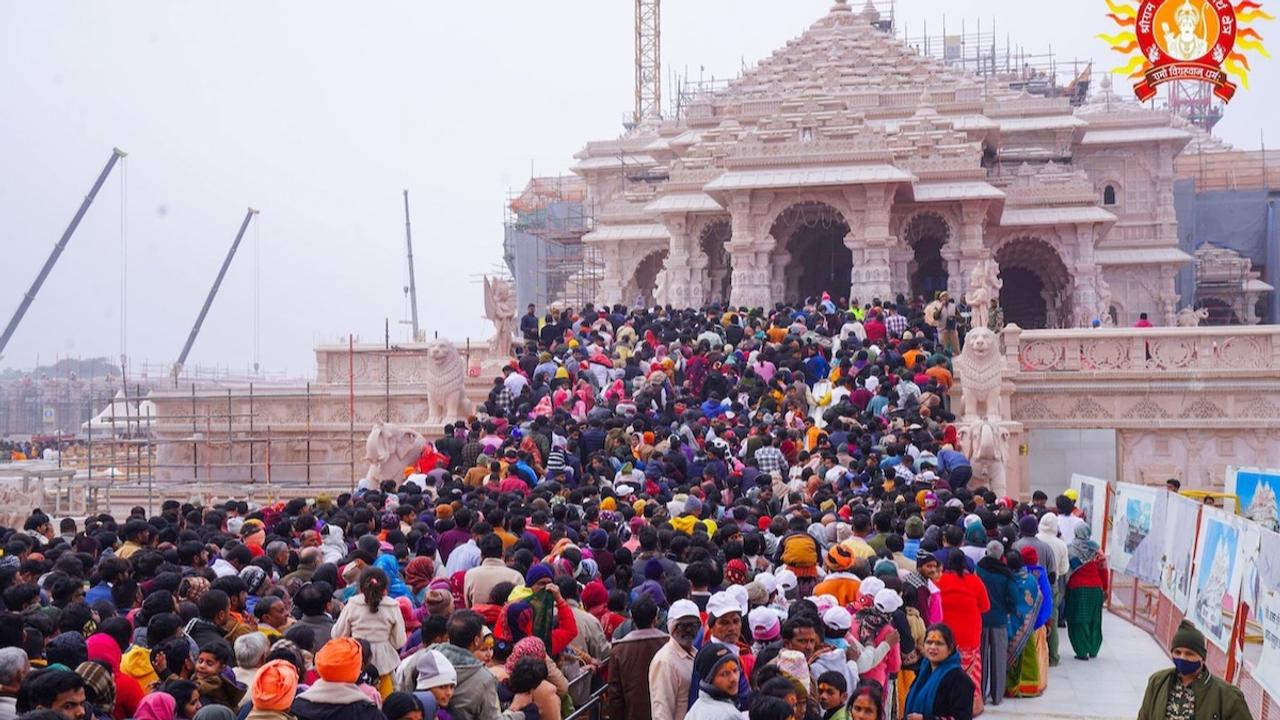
(231, 450)
(252, 474)
(413, 284)
(195, 445)
(213, 291)
(351, 404)
(386, 373)
(116, 154)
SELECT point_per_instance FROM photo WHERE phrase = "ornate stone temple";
(847, 162)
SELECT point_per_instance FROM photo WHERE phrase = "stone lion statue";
(445, 382)
(985, 443)
(1189, 317)
(389, 450)
(980, 368)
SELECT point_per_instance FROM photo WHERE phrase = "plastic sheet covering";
(1239, 220)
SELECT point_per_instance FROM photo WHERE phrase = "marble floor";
(1109, 687)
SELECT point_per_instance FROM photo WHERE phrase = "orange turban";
(275, 685)
(339, 660)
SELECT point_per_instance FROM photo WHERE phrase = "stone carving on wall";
(389, 449)
(445, 382)
(987, 443)
(1189, 317)
(500, 309)
(981, 368)
(984, 288)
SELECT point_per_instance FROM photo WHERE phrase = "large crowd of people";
(707, 515)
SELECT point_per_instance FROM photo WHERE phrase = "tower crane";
(648, 60)
(116, 155)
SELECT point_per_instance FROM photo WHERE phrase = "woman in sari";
(1028, 644)
(1087, 582)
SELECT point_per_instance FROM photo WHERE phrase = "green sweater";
(1215, 699)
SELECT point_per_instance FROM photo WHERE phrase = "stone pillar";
(778, 263)
(1168, 297)
(749, 256)
(870, 248)
(680, 285)
(900, 260)
(955, 282)
(972, 250)
(612, 276)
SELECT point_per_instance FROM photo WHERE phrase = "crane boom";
(213, 292)
(116, 154)
(413, 284)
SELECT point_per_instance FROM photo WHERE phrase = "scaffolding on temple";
(977, 49)
(542, 243)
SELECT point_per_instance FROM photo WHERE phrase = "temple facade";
(848, 163)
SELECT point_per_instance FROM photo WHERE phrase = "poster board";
(1181, 514)
(1092, 492)
(1222, 554)
(1258, 491)
(1267, 671)
(1132, 547)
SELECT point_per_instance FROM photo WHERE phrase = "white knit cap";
(435, 670)
(721, 604)
(680, 610)
(870, 587)
(888, 600)
(787, 580)
(837, 618)
(768, 582)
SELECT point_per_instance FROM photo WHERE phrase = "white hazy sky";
(318, 113)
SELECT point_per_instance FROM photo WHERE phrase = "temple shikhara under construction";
(852, 163)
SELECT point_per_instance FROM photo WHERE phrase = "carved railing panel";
(1213, 350)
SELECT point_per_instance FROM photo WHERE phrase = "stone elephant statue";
(389, 450)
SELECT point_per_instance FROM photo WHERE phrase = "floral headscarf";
(527, 647)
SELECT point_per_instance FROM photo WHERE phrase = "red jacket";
(1092, 574)
(964, 600)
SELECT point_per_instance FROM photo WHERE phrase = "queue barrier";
(1144, 606)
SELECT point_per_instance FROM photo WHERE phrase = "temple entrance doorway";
(719, 274)
(814, 234)
(1037, 286)
(643, 289)
(925, 235)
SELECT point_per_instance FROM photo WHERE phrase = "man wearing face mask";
(1188, 689)
(671, 670)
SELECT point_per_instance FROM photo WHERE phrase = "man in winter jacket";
(629, 664)
(1188, 689)
(476, 696)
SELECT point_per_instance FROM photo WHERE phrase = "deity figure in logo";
(1189, 41)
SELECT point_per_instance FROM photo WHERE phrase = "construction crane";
(116, 155)
(213, 292)
(648, 60)
(413, 284)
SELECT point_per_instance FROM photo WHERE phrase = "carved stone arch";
(1038, 284)
(923, 269)
(810, 255)
(778, 205)
(647, 283)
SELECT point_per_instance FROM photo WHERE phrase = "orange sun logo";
(1197, 40)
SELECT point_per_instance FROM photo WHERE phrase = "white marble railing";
(1124, 351)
